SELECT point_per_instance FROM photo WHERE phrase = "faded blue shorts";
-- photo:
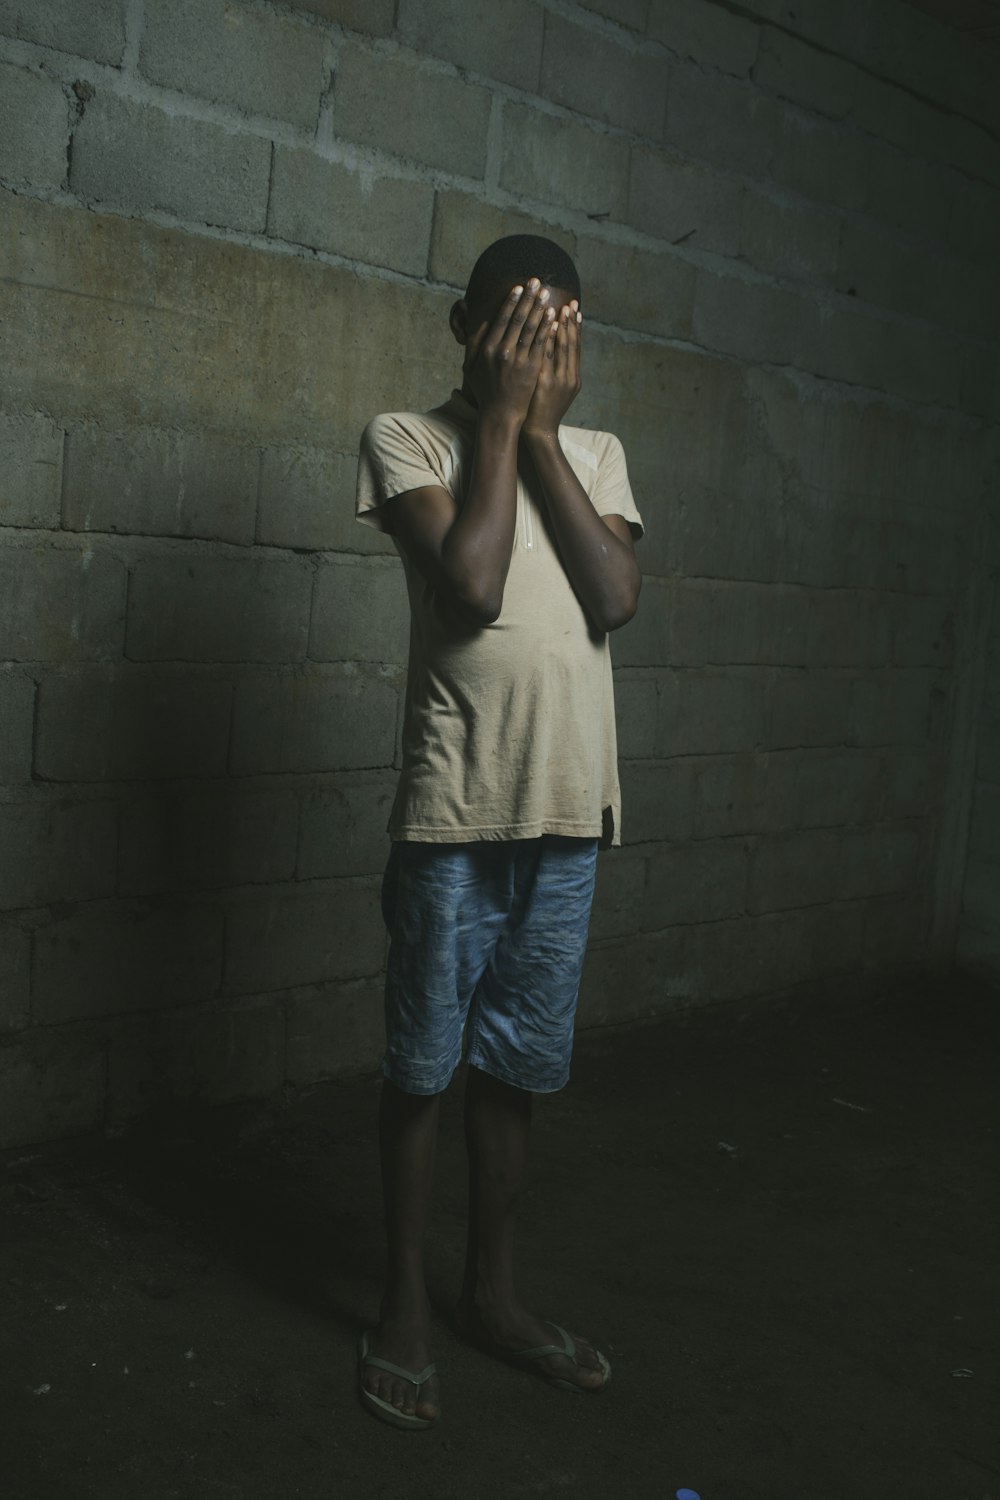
(489, 937)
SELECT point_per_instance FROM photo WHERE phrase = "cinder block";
(464, 225)
(31, 453)
(805, 75)
(906, 193)
(921, 130)
(132, 723)
(707, 34)
(380, 220)
(90, 28)
(618, 896)
(139, 158)
(766, 954)
(713, 535)
(786, 237)
(754, 320)
(636, 695)
(334, 1031)
(657, 801)
(988, 756)
(191, 607)
(151, 482)
(897, 274)
(343, 828)
(825, 162)
(845, 27)
(893, 708)
(322, 719)
(34, 128)
(896, 931)
(819, 789)
(722, 120)
(372, 16)
(637, 979)
(637, 288)
(907, 360)
(809, 707)
(115, 956)
(729, 796)
(981, 896)
(397, 106)
(261, 62)
(124, 724)
(700, 882)
(329, 930)
(502, 41)
(978, 952)
(923, 630)
(584, 69)
(559, 161)
(913, 783)
(223, 351)
(794, 869)
(360, 612)
(201, 1053)
(52, 1084)
(710, 712)
(17, 713)
(56, 851)
(984, 822)
(60, 604)
(879, 861)
(975, 219)
(307, 502)
(216, 835)
(15, 968)
(684, 201)
(630, 13)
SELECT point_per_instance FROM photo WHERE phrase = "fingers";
(524, 318)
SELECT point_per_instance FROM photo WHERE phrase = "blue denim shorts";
(489, 937)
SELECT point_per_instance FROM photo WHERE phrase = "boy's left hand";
(559, 378)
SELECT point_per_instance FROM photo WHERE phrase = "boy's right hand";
(503, 359)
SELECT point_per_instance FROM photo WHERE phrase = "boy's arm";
(465, 550)
(597, 551)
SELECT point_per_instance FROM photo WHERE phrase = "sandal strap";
(542, 1351)
(390, 1368)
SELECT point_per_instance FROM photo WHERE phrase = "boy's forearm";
(477, 550)
(601, 568)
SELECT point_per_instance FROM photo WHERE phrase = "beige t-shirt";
(509, 729)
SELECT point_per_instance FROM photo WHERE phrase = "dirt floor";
(780, 1223)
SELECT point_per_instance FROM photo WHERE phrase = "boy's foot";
(508, 1332)
(404, 1342)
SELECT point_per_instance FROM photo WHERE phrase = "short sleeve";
(612, 493)
(392, 459)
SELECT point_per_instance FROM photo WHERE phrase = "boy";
(516, 535)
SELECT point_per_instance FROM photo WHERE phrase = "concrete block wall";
(231, 231)
(979, 930)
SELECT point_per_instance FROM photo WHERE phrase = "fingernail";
(534, 284)
(517, 291)
(579, 317)
(543, 295)
(550, 313)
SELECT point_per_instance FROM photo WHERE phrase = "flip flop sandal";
(525, 1359)
(384, 1410)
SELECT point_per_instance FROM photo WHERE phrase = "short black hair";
(513, 259)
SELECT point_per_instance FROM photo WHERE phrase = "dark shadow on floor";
(780, 1223)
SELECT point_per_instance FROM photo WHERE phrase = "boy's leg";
(521, 1029)
(497, 1126)
(407, 1137)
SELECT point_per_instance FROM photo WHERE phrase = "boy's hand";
(503, 360)
(559, 381)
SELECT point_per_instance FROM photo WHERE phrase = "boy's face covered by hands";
(522, 359)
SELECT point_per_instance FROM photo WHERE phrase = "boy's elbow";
(620, 611)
